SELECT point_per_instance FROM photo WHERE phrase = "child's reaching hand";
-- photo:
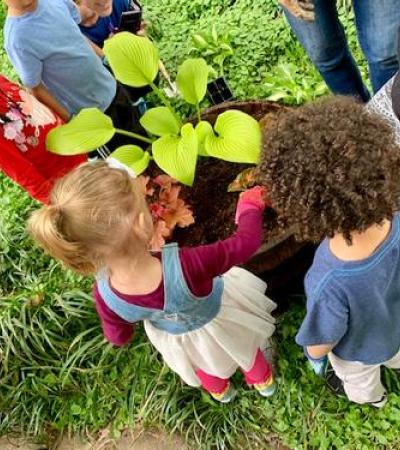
(254, 197)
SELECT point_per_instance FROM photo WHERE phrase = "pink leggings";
(259, 373)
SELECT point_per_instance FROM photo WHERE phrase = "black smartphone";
(131, 19)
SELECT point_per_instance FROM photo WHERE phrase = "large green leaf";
(177, 155)
(85, 132)
(133, 157)
(192, 80)
(133, 59)
(160, 121)
(238, 138)
(203, 129)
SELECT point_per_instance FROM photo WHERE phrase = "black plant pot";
(219, 91)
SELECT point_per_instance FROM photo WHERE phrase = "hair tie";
(113, 163)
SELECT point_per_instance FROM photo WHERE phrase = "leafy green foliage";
(177, 155)
(134, 59)
(133, 157)
(192, 80)
(88, 130)
(289, 84)
(203, 129)
(215, 48)
(256, 30)
(160, 121)
(238, 138)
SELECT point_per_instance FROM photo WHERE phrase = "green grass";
(58, 374)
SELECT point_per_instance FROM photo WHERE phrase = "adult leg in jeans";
(325, 43)
(377, 27)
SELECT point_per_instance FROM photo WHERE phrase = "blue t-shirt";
(99, 32)
(355, 303)
(47, 46)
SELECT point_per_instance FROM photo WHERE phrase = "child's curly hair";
(330, 167)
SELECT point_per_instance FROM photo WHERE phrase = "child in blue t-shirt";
(52, 57)
(332, 171)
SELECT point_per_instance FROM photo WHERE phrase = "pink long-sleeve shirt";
(200, 266)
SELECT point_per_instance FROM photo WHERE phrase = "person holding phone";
(103, 18)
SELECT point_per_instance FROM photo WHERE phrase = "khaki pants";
(362, 382)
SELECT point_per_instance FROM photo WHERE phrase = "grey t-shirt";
(47, 46)
(355, 303)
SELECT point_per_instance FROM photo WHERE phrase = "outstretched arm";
(209, 261)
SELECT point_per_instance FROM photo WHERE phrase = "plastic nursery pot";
(218, 91)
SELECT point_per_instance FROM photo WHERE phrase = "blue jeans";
(324, 40)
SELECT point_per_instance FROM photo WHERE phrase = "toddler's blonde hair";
(96, 212)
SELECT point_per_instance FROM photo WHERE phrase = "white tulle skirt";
(231, 340)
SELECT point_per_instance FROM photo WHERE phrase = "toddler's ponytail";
(44, 227)
(96, 212)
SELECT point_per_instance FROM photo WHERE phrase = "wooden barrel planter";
(214, 210)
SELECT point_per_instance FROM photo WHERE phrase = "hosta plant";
(173, 144)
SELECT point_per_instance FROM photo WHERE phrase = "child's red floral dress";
(25, 123)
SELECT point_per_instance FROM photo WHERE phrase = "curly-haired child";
(205, 325)
(332, 169)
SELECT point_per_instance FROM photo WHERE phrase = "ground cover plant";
(58, 374)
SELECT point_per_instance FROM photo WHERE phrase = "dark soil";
(214, 208)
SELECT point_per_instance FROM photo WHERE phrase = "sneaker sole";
(268, 392)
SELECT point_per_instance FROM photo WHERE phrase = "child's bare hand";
(303, 9)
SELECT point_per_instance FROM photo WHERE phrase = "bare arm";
(99, 51)
(319, 351)
(44, 96)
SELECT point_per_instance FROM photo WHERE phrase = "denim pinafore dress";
(183, 312)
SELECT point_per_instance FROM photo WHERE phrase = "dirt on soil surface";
(214, 207)
(131, 441)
